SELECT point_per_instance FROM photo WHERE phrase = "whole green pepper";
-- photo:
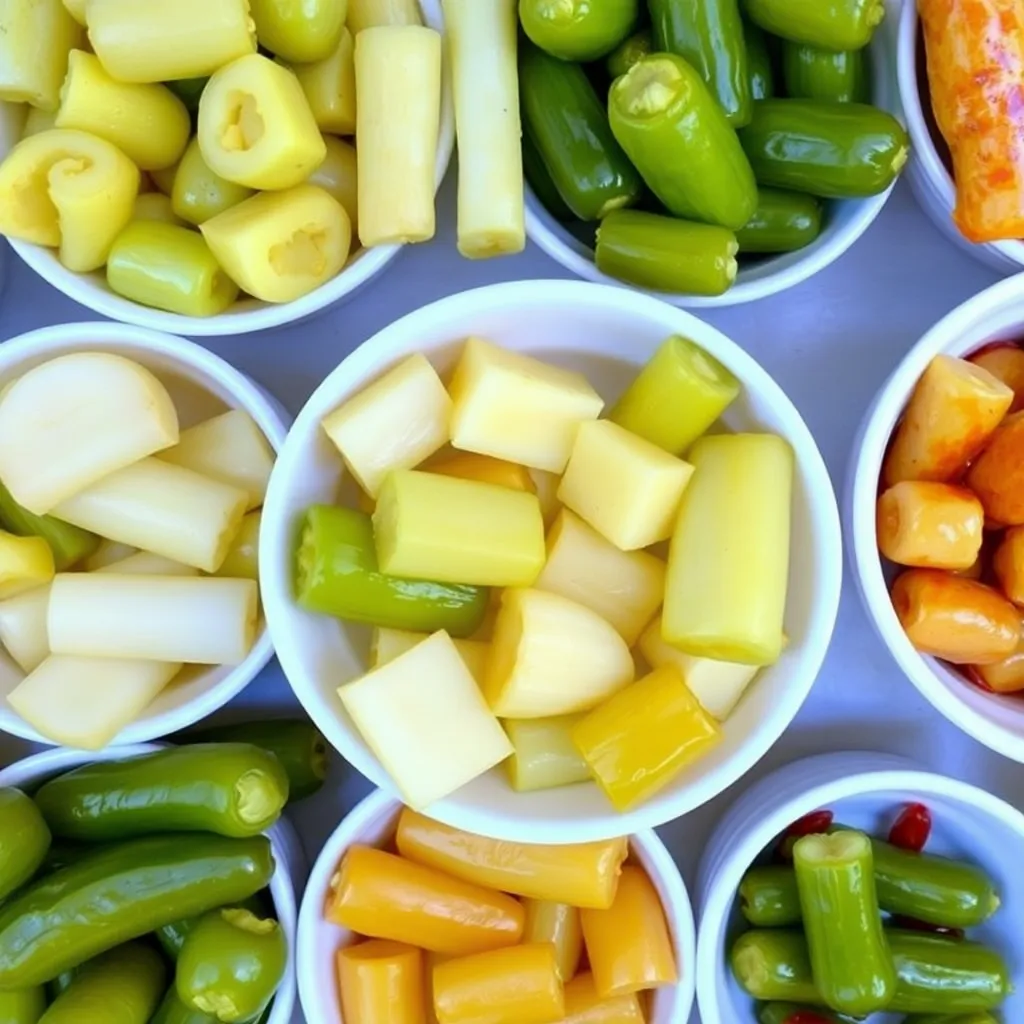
(24, 840)
(120, 893)
(121, 987)
(569, 126)
(540, 181)
(774, 964)
(337, 574)
(578, 30)
(830, 24)
(759, 63)
(783, 222)
(22, 1005)
(172, 936)
(832, 150)
(231, 964)
(173, 1011)
(665, 254)
(786, 1013)
(297, 743)
(628, 52)
(677, 137)
(69, 544)
(828, 75)
(232, 789)
(850, 958)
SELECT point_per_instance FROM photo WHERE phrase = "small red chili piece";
(914, 925)
(805, 1017)
(809, 825)
(975, 678)
(910, 831)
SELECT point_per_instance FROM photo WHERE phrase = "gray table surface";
(830, 343)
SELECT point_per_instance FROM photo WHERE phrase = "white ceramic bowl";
(845, 221)
(608, 333)
(927, 173)
(202, 385)
(288, 878)
(865, 790)
(996, 313)
(373, 823)
(247, 315)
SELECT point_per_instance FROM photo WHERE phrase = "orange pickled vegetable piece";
(975, 52)
(957, 619)
(930, 525)
(519, 985)
(1006, 363)
(1006, 676)
(484, 468)
(385, 897)
(559, 924)
(997, 475)
(381, 982)
(582, 874)
(1008, 564)
(583, 1005)
(628, 945)
(431, 961)
(953, 411)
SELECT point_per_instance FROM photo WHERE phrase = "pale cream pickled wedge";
(388, 644)
(23, 627)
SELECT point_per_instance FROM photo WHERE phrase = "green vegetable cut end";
(216, 1004)
(649, 88)
(305, 557)
(257, 798)
(901, 157)
(750, 965)
(837, 848)
(701, 365)
(246, 921)
(558, 12)
(876, 14)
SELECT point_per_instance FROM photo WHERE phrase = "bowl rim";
(379, 352)
(269, 415)
(676, 904)
(861, 495)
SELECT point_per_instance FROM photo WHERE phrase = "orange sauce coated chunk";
(930, 525)
(997, 475)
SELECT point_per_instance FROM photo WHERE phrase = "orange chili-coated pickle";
(1005, 361)
(930, 525)
(1008, 564)
(1006, 676)
(997, 475)
(381, 982)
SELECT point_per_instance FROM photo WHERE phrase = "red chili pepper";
(809, 825)
(914, 925)
(974, 677)
(805, 1017)
(910, 831)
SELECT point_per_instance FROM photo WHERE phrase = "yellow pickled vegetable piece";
(68, 189)
(338, 176)
(164, 179)
(388, 644)
(457, 531)
(279, 246)
(381, 982)
(36, 37)
(148, 123)
(371, 13)
(198, 193)
(164, 42)
(546, 486)
(39, 120)
(301, 32)
(23, 631)
(330, 87)
(155, 206)
(255, 126)
(25, 563)
(559, 924)
(243, 558)
(76, 8)
(544, 755)
(583, 1005)
(470, 466)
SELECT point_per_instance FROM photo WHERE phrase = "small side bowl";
(288, 878)
(372, 823)
(865, 790)
(247, 315)
(995, 314)
(202, 385)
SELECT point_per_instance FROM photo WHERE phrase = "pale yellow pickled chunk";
(243, 558)
(23, 627)
(625, 487)
(155, 206)
(433, 527)
(338, 176)
(25, 563)
(388, 644)
(371, 13)
(552, 656)
(109, 552)
(69, 189)
(145, 563)
(546, 485)
(398, 421)
(76, 8)
(39, 120)
(518, 408)
(544, 754)
(255, 126)
(36, 37)
(330, 87)
(279, 246)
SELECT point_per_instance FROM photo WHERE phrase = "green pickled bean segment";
(22, 1005)
(578, 30)
(628, 52)
(827, 75)
(24, 840)
(830, 24)
(759, 63)
(774, 965)
(783, 222)
(69, 544)
(198, 193)
(769, 897)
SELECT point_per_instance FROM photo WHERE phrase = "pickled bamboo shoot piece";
(35, 40)
(145, 563)
(457, 531)
(243, 558)
(388, 644)
(338, 177)
(165, 509)
(552, 656)
(330, 87)
(198, 193)
(559, 924)
(581, 874)
(930, 525)
(583, 1005)
(86, 702)
(279, 246)
(255, 126)
(371, 13)
(488, 470)
(1005, 363)
(146, 42)
(517, 985)
(518, 408)
(1006, 676)
(544, 755)
(396, 422)
(381, 982)
(108, 553)
(67, 189)
(25, 563)
(446, 735)
(386, 897)
(73, 420)
(725, 594)
(398, 114)
(997, 475)
(148, 123)
(23, 627)
(955, 408)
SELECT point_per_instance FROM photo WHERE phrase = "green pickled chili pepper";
(578, 30)
(830, 24)
(198, 192)
(173, 1011)
(122, 892)
(850, 958)
(774, 965)
(123, 986)
(759, 63)
(569, 126)
(787, 1013)
(24, 840)
(337, 574)
(69, 544)
(628, 52)
(977, 1017)
(769, 897)
(709, 36)
(189, 91)
(783, 222)
(60, 855)
(540, 181)
(297, 743)
(168, 267)
(231, 964)
(232, 789)
(670, 126)
(827, 75)
(172, 936)
(832, 150)
(22, 1005)
(665, 254)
